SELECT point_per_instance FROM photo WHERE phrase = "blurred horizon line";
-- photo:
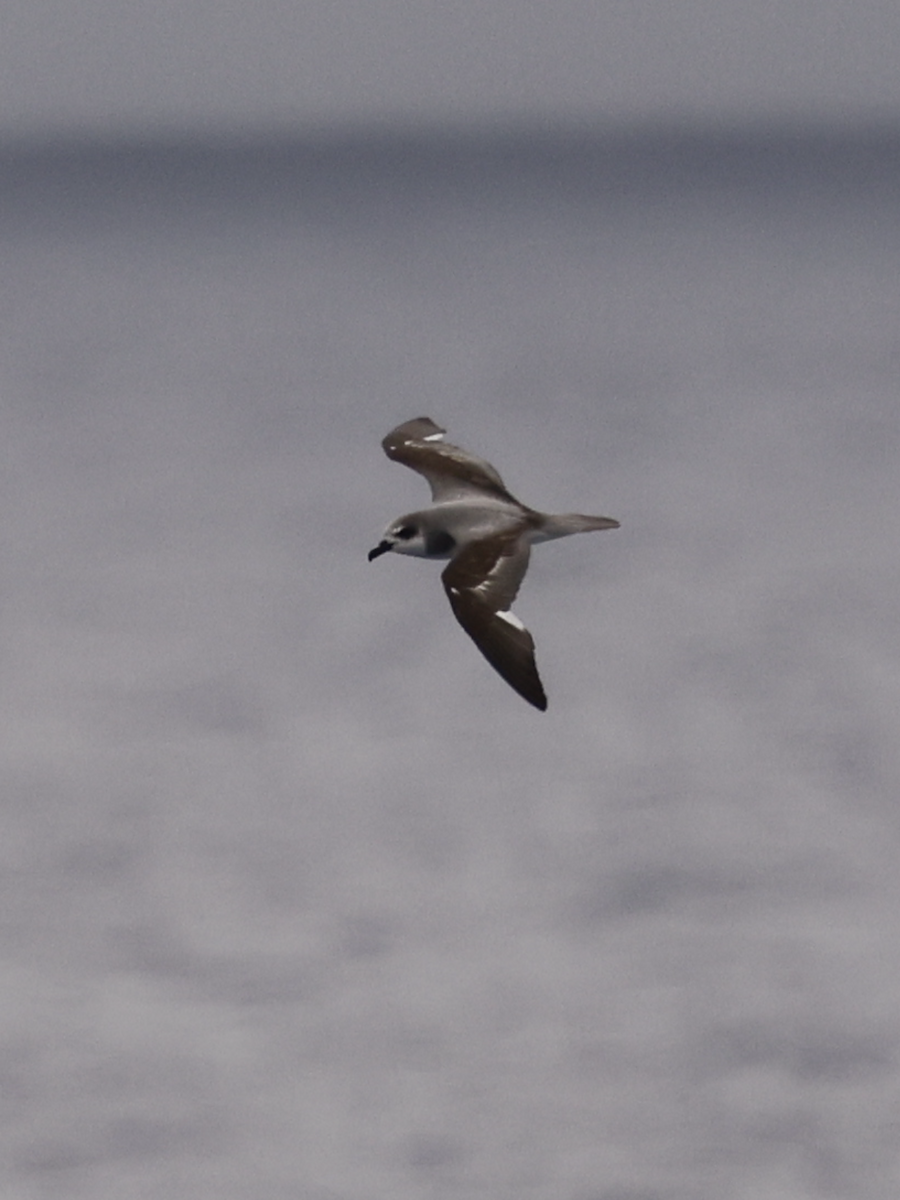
(753, 130)
(53, 177)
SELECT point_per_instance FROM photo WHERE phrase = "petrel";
(487, 535)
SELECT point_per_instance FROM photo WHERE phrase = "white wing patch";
(511, 619)
(433, 437)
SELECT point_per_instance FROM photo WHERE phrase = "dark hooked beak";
(381, 548)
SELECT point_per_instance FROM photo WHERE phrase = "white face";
(406, 538)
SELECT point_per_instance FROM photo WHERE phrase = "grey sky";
(118, 64)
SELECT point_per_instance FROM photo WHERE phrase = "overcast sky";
(123, 64)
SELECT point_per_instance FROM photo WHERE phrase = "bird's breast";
(439, 543)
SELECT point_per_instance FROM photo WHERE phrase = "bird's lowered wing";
(481, 583)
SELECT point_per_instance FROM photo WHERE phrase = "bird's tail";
(557, 525)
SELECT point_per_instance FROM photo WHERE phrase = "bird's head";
(404, 536)
(414, 534)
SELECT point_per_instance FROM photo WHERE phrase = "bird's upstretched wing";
(452, 473)
(481, 583)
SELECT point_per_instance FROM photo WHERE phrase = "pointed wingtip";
(530, 689)
(419, 429)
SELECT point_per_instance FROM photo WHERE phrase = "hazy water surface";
(299, 900)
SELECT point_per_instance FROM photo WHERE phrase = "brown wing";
(451, 472)
(481, 583)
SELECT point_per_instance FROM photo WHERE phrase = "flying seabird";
(487, 535)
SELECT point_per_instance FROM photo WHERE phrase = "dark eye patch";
(406, 532)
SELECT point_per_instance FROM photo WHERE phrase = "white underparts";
(512, 619)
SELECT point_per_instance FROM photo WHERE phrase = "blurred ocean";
(298, 898)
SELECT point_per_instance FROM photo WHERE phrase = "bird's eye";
(406, 532)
